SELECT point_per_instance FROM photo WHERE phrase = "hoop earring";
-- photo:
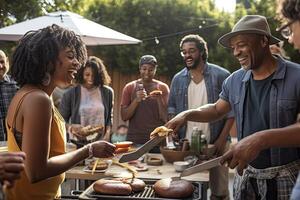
(46, 80)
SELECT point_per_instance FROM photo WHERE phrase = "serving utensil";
(95, 165)
(200, 167)
(142, 150)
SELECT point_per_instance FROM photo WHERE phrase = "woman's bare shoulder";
(28, 102)
(32, 99)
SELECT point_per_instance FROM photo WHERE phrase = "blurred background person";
(89, 103)
(120, 135)
(144, 102)
(8, 89)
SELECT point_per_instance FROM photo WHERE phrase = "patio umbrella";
(92, 33)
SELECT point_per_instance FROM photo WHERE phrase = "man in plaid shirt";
(8, 88)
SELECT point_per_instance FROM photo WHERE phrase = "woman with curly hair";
(289, 12)
(90, 103)
(43, 60)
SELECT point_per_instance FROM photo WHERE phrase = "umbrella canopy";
(90, 32)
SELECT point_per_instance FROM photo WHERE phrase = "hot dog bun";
(156, 92)
(119, 186)
(114, 187)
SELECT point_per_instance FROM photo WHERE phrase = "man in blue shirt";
(8, 89)
(197, 84)
(265, 97)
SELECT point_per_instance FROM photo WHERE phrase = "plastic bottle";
(196, 140)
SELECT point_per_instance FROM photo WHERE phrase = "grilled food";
(176, 189)
(160, 131)
(119, 186)
(156, 92)
(101, 165)
(88, 130)
(125, 144)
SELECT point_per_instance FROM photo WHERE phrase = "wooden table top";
(154, 172)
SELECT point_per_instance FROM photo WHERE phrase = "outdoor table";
(154, 172)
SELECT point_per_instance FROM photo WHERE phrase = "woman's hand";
(11, 165)
(75, 129)
(103, 149)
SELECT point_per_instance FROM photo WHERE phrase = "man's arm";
(206, 113)
(248, 148)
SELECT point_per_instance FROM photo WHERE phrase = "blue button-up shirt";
(178, 99)
(284, 103)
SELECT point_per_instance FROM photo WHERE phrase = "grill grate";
(147, 193)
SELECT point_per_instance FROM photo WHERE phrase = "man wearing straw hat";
(265, 97)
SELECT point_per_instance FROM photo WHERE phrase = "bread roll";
(113, 187)
(160, 131)
(169, 188)
(137, 185)
(101, 165)
(121, 150)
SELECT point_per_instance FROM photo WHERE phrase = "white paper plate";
(86, 169)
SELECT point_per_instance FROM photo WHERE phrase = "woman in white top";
(89, 103)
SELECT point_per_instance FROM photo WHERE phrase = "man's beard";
(194, 66)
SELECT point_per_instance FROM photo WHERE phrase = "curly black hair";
(200, 43)
(101, 76)
(37, 53)
(290, 9)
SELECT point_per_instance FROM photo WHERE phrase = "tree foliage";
(160, 24)
(166, 20)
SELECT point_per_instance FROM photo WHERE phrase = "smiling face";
(249, 50)
(147, 72)
(66, 68)
(88, 77)
(191, 55)
(3, 65)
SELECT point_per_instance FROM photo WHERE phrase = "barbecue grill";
(147, 193)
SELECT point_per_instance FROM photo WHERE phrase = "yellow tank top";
(47, 189)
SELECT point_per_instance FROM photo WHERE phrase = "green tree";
(166, 20)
